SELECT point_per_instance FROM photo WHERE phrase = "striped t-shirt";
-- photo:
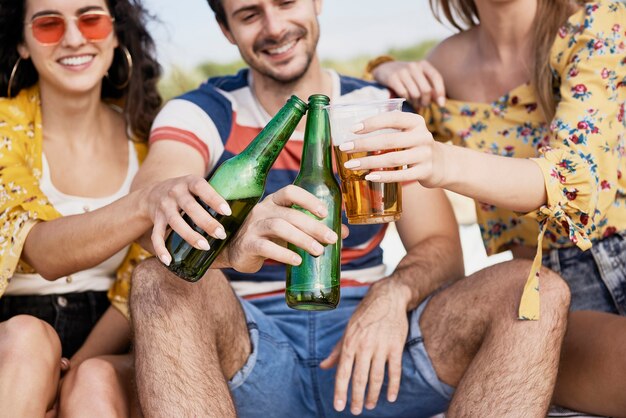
(220, 118)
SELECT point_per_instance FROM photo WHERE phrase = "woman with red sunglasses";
(78, 80)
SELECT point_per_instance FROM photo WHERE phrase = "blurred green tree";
(177, 81)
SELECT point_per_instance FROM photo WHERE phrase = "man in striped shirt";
(204, 350)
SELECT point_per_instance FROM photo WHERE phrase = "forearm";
(73, 243)
(509, 183)
(111, 335)
(426, 267)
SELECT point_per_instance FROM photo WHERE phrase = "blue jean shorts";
(596, 277)
(282, 377)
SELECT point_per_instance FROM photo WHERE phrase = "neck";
(272, 94)
(505, 29)
(78, 119)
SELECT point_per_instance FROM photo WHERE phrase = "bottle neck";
(316, 154)
(270, 141)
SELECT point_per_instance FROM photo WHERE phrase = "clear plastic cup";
(365, 202)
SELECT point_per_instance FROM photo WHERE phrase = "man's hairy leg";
(189, 339)
(500, 366)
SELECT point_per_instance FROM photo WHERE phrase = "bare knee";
(27, 340)
(93, 387)
(554, 291)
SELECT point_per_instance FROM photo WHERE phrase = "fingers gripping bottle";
(314, 284)
(240, 180)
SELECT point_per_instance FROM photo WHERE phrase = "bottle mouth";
(298, 103)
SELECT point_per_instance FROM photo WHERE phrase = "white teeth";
(282, 49)
(71, 61)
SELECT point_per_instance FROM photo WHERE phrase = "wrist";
(446, 165)
(373, 63)
(401, 292)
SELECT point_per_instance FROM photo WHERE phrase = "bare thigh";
(206, 316)
(457, 318)
(592, 373)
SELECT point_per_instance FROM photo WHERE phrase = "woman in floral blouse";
(67, 157)
(543, 81)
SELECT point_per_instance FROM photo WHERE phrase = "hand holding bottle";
(272, 224)
(168, 198)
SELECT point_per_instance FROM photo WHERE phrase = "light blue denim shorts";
(596, 277)
(282, 378)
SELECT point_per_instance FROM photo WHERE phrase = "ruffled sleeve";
(22, 204)
(580, 166)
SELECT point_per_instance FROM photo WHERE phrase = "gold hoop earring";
(129, 64)
(13, 72)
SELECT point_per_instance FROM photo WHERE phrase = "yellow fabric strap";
(529, 304)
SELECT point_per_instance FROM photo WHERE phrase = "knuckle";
(359, 380)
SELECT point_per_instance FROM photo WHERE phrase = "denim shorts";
(596, 277)
(72, 315)
(282, 378)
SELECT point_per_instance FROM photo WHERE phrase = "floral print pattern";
(22, 204)
(581, 152)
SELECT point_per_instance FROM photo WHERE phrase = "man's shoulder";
(357, 89)
(217, 91)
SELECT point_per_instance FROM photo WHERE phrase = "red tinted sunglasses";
(50, 29)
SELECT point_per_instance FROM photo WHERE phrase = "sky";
(187, 34)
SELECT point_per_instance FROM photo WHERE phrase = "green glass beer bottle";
(314, 284)
(240, 180)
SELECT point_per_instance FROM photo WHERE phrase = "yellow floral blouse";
(22, 204)
(581, 152)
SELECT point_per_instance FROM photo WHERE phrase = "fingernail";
(355, 411)
(220, 233)
(317, 247)
(372, 177)
(347, 146)
(352, 164)
(357, 127)
(203, 245)
(296, 260)
(322, 211)
(392, 397)
(339, 405)
(165, 259)
(441, 101)
(225, 209)
(370, 406)
(330, 236)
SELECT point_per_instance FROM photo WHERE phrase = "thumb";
(331, 361)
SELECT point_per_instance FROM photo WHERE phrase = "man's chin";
(288, 73)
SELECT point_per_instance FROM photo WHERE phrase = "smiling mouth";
(282, 49)
(76, 60)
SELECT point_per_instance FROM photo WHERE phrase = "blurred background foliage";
(177, 81)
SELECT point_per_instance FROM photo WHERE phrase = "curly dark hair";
(140, 97)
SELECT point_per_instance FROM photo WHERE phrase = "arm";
(111, 335)
(69, 244)
(511, 183)
(377, 331)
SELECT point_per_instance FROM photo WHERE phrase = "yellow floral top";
(581, 151)
(22, 204)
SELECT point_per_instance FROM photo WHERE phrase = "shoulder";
(450, 54)
(21, 108)
(357, 89)
(602, 20)
(597, 29)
